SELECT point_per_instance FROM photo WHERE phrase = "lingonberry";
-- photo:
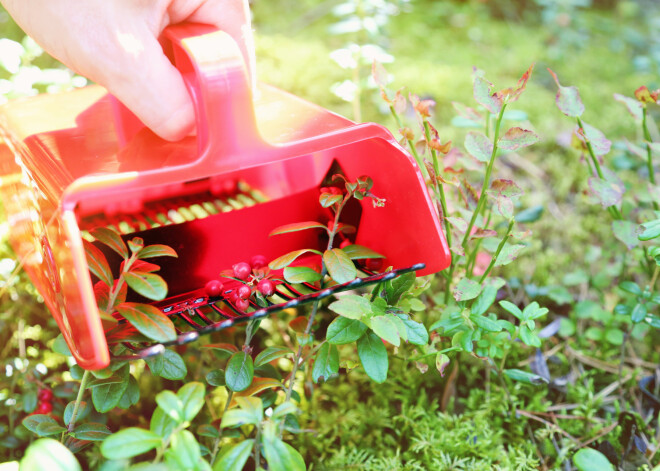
(213, 288)
(242, 270)
(243, 291)
(44, 408)
(258, 261)
(45, 395)
(266, 287)
(374, 264)
(242, 304)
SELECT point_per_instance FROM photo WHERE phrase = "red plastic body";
(74, 160)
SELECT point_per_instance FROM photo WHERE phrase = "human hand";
(115, 43)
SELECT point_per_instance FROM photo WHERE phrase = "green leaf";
(161, 423)
(649, 230)
(106, 397)
(297, 226)
(517, 138)
(397, 287)
(484, 300)
(466, 289)
(351, 306)
(534, 311)
(281, 456)
(385, 329)
(149, 285)
(512, 308)
(478, 145)
(568, 99)
(171, 404)
(614, 336)
(32, 422)
(339, 266)
(525, 377)
(132, 394)
(239, 372)
(173, 366)
(343, 330)
(630, 287)
(606, 192)
(357, 252)
(626, 232)
(285, 409)
(185, 449)
(508, 254)
(415, 331)
(60, 346)
(83, 411)
(149, 321)
(328, 199)
(46, 428)
(301, 274)
(529, 337)
(599, 143)
(111, 239)
(638, 313)
(156, 250)
(441, 363)
(373, 356)
(588, 459)
(50, 454)
(207, 430)
(129, 442)
(486, 323)
(250, 412)
(270, 354)
(91, 431)
(97, 263)
(326, 363)
(216, 378)
(235, 458)
(481, 91)
(192, 398)
(528, 215)
(288, 259)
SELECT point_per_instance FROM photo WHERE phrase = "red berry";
(242, 304)
(213, 288)
(44, 408)
(344, 243)
(242, 270)
(258, 261)
(45, 395)
(266, 287)
(374, 264)
(243, 291)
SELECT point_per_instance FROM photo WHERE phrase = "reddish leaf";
(441, 363)
(504, 206)
(149, 285)
(481, 91)
(141, 265)
(483, 233)
(458, 223)
(516, 138)
(645, 96)
(436, 145)
(111, 239)
(379, 73)
(599, 143)
(506, 187)
(149, 321)
(607, 193)
(633, 106)
(471, 196)
(258, 385)
(97, 263)
(407, 133)
(509, 95)
(399, 102)
(157, 250)
(466, 289)
(224, 347)
(457, 248)
(299, 324)
(568, 99)
(626, 232)
(479, 146)
(297, 226)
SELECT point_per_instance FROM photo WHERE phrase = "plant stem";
(499, 249)
(216, 445)
(81, 391)
(439, 189)
(649, 156)
(411, 144)
(472, 259)
(486, 183)
(613, 210)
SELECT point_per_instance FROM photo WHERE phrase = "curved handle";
(214, 71)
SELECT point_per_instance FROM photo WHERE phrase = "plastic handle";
(214, 70)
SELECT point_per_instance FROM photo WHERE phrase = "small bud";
(407, 133)
(645, 96)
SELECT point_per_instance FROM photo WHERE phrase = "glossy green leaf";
(512, 308)
(397, 287)
(297, 226)
(129, 442)
(630, 287)
(31, 422)
(106, 397)
(84, 409)
(357, 252)
(343, 330)
(135, 244)
(326, 363)
(301, 274)
(132, 394)
(328, 199)
(479, 146)
(192, 398)
(285, 409)
(351, 306)
(466, 289)
(149, 321)
(250, 411)
(385, 329)
(484, 301)
(568, 99)
(171, 404)
(373, 356)
(281, 456)
(235, 458)
(91, 431)
(207, 430)
(270, 354)
(638, 313)
(339, 266)
(516, 138)
(185, 449)
(156, 250)
(588, 459)
(288, 259)
(97, 263)
(239, 371)
(173, 366)
(45, 429)
(49, 454)
(216, 377)
(149, 285)
(529, 337)
(649, 230)
(486, 323)
(161, 423)
(112, 239)
(416, 332)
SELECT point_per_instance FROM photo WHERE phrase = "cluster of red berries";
(44, 406)
(249, 273)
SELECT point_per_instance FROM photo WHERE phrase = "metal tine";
(203, 317)
(219, 311)
(184, 315)
(264, 312)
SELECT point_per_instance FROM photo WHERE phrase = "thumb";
(154, 90)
